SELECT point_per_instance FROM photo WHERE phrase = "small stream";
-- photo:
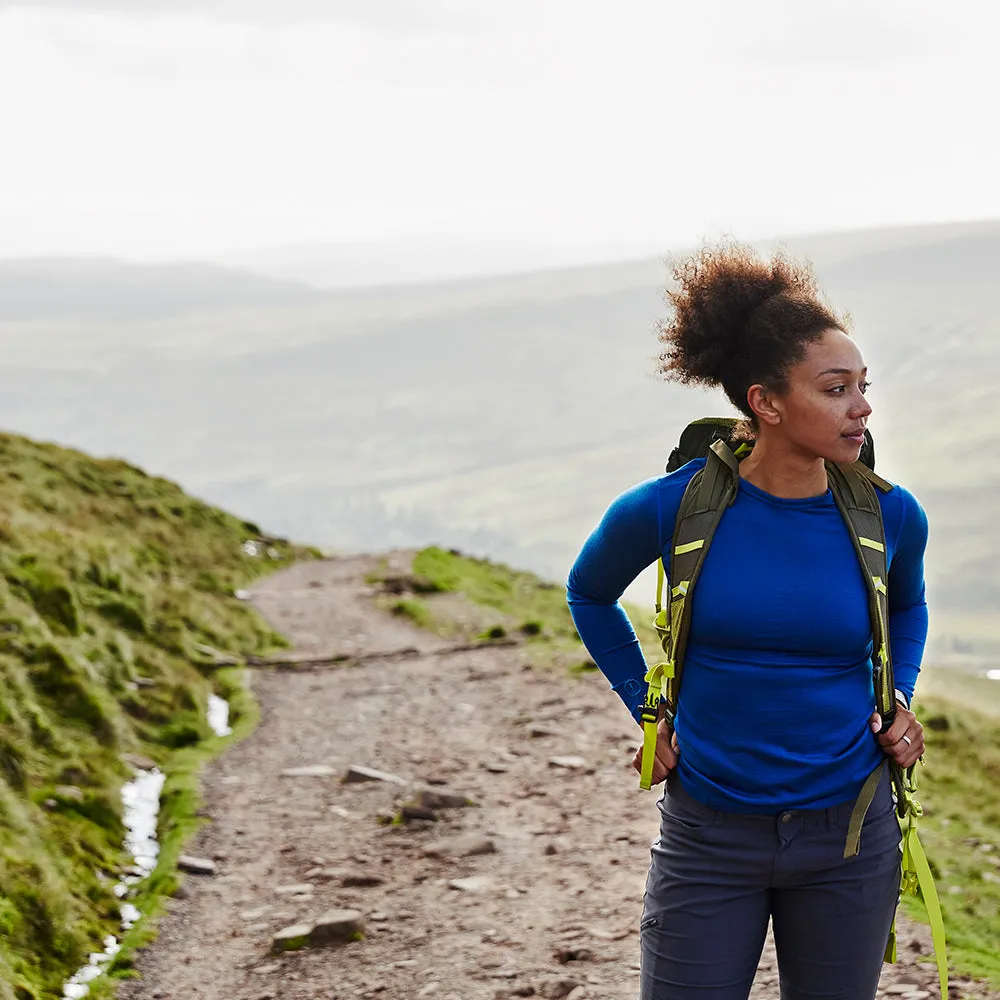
(141, 808)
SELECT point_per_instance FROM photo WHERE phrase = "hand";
(905, 752)
(667, 751)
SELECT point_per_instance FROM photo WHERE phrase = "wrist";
(902, 699)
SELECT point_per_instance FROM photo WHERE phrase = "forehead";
(833, 350)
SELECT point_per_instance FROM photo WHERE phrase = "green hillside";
(116, 591)
(460, 596)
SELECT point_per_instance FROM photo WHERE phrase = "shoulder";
(904, 518)
(657, 498)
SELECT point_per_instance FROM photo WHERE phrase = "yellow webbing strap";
(918, 880)
(657, 678)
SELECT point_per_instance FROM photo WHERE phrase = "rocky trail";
(534, 889)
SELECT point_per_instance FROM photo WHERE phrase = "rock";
(573, 954)
(895, 989)
(557, 989)
(571, 763)
(309, 771)
(291, 938)
(917, 995)
(411, 811)
(295, 889)
(323, 874)
(357, 773)
(550, 849)
(340, 811)
(358, 880)
(495, 768)
(69, 792)
(474, 883)
(195, 866)
(466, 846)
(580, 993)
(255, 914)
(538, 731)
(437, 798)
(337, 926)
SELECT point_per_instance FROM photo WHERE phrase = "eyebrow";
(840, 371)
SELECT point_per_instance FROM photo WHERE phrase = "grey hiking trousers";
(715, 879)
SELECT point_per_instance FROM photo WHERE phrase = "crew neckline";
(820, 500)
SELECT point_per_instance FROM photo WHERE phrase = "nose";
(862, 408)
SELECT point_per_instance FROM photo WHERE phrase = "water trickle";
(141, 802)
(141, 807)
(218, 715)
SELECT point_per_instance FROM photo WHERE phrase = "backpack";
(710, 492)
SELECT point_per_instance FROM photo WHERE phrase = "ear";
(763, 406)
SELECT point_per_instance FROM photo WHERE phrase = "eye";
(864, 387)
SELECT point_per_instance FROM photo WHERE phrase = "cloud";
(403, 17)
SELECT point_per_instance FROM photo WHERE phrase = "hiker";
(776, 730)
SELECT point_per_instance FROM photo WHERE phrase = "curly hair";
(739, 320)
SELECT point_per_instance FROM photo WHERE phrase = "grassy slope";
(113, 586)
(457, 595)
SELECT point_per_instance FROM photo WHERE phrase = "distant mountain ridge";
(502, 415)
(105, 289)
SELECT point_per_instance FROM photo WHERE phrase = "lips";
(857, 438)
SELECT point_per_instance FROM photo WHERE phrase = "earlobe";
(762, 405)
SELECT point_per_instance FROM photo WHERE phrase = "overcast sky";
(151, 127)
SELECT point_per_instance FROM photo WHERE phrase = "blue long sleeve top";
(777, 688)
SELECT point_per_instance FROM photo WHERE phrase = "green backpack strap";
(708, 494)
(853, 488)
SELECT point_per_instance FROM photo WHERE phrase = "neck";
(776, 469)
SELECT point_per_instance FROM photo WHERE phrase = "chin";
(848, 452)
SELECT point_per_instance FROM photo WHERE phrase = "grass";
(961, 828)
(460, 596)
(113, 584)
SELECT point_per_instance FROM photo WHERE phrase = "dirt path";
(553, 912)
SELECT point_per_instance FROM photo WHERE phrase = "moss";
(107, 578)
(50, 592)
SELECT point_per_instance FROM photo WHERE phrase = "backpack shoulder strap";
(873, 477)
(710, 491)
(704, 502)
(853, 488)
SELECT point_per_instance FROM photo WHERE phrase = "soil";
(552, 912)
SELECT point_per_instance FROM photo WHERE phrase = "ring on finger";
(907, 739)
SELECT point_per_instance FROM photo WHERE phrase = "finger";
(901, 725)
(875, 722)
(909, 749)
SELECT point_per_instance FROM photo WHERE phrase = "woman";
(775, 729)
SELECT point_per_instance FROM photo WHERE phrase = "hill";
(116, 607)
(98, 289)
(502, 415)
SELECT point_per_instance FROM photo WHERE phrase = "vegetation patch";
(109, 580)
(961, 830)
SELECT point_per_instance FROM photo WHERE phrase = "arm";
(626, 541)
(904, 742)
(907, 603)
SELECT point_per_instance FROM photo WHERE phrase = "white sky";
(186, 127)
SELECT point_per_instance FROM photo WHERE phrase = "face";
(824, 412)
